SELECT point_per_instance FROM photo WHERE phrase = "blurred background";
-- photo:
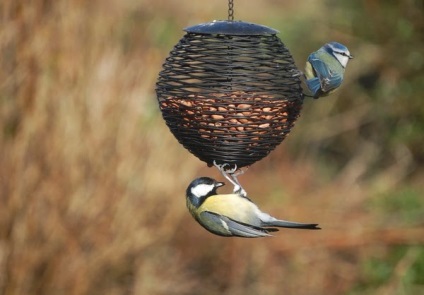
(92, 183)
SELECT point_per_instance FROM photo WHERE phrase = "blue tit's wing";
(327, 78)
(224, 225)
(330, 83)
(321, 69)
(314, 86)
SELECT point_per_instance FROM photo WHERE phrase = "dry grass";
(92, 182)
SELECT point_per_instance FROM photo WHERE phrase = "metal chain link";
(230, 10)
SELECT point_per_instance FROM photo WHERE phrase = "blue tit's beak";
(350, 56)
(219, 184)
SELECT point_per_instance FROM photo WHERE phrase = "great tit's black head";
(201, 188)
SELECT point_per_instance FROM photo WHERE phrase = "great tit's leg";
(238, 188)
(224, 172)
(231, 177)
(229, 170)
(239, 172)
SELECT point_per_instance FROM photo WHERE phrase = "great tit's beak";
(219, 184)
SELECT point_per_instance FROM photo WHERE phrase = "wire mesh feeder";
(230, 92)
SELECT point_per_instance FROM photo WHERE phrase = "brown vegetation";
(92, 182)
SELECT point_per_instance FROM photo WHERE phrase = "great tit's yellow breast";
(191, 208)
(232, 206)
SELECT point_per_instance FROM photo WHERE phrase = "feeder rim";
(225, 27)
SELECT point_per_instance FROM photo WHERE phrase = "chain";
(230, 10)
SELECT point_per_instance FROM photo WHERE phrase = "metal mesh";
(229, 98)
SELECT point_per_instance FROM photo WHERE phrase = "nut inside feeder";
(230, 92)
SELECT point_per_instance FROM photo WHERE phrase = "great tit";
(231, 215)
(325, 68)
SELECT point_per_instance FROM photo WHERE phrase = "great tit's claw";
(231, 176)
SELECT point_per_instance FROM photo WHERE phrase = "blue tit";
(231, 215)
(325, 68)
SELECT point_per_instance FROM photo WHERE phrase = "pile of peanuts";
(237, 115)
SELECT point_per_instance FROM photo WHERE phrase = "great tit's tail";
(291, 224)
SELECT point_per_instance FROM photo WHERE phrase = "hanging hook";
(230, 10)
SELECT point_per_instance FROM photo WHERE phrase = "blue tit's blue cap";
(338, 46)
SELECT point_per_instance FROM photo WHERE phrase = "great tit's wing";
(328, 79)
(243, 230)
(222, 225)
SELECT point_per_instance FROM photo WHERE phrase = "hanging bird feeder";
(230, 91)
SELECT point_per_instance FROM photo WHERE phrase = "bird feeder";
(230, 92)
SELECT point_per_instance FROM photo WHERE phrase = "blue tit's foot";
(297, 73)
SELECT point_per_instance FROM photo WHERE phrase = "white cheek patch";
(202, 190)
(342, 59)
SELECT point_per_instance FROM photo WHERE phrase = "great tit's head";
(201, 188)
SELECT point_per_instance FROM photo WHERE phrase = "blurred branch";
(337, 124)
(396, 173)
(359, 164)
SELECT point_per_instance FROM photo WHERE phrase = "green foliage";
(385, 274)
(405, 205)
